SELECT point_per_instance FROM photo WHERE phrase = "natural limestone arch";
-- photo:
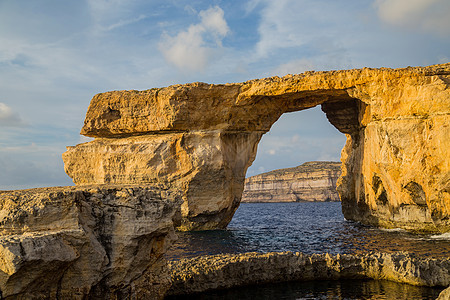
(200, 139)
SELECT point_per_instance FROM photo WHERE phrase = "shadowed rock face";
(201, 138)
(92, 242)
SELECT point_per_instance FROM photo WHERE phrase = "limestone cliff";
(311, 181)
(95, 242)
(207, 167)
(200, 139)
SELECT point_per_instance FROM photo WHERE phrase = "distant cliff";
(311, 181)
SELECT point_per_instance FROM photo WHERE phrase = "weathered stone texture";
(311, 181)
(395, 171)
(445, 294)
(207, 167)
(205, 273)
(85, 243)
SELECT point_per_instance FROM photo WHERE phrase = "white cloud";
(193, 49)
(295, 138)
(278, 27)
(213, 21)
(251, 5)
(430, 16)
(298, 36)
(442, 59)
(108, 15)
(295, 67)
(9, 118)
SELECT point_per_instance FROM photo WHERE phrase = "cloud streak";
(9, 118)
(431, 16)
(192, 49)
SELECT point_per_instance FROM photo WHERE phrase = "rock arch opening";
(297, 160)
(344, 113)
(295, 138)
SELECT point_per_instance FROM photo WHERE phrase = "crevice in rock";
(343, 114)
(416, 192)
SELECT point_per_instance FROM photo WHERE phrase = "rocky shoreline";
(207, 273)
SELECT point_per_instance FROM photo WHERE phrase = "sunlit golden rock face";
(200, 139)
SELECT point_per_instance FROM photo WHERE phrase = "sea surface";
(324, 289)
(309, 227)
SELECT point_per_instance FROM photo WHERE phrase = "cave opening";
(299, 159)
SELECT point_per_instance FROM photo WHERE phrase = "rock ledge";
(227, 271)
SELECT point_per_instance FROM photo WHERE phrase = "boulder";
(85, 242)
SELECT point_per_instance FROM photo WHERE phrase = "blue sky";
(55, 55)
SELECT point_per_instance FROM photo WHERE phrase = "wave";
(444, 236)
(393, 229)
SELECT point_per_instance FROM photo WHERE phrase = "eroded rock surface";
(233, 270)
(445, 294)
(396, 166)
(93, 242)
(207, 167)
(311, 181)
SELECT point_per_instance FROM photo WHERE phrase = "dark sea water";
(311, 227)
(325, 289)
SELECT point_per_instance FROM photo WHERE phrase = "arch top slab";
(253, 105)
(201, 138)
